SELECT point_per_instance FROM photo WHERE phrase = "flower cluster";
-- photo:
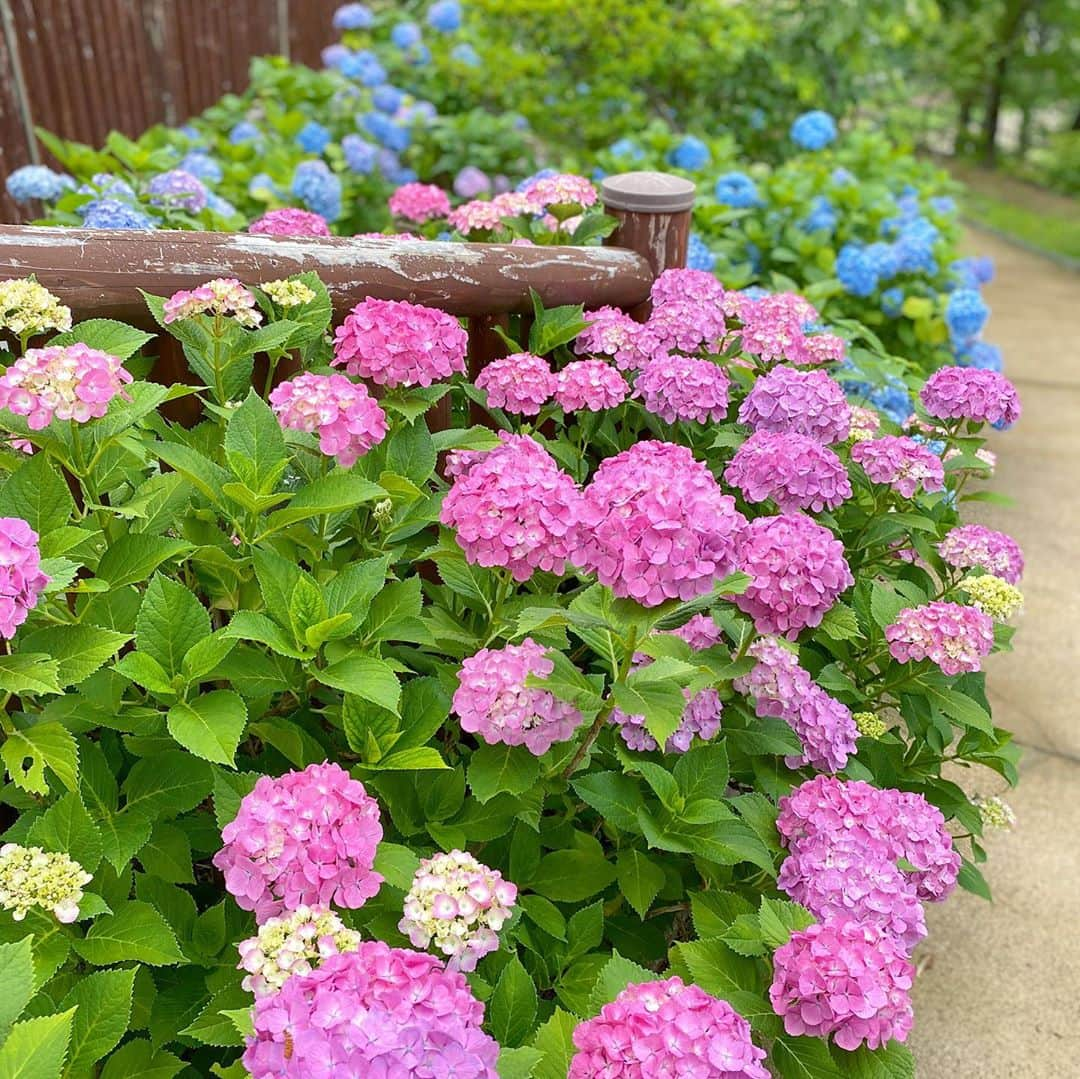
(21, 579)
(795, 471)
(32, 877)
(656, 526)
(781, 688)
(521, 383)
(995, 812)
(303, 838)
(801, 402)
(701, 718)
(844, 979)
(611, 332)
(318, 189)
(224, 297)
(27, 309)
(493, 701)
(512, 506)
(865, 423)
(589, 385)
(971, 394)
(870, 724)
(36, 182)
(290, 222)
(178, 189)
(965, 314)
(689, 153)
(377, 1011)
(347, 418)
(900, 462)
(292, 944)
(676, 387)
(737, 190)
(798, 570)
(696, 287)
(993, 596)
(686, 326)
(113, 214)
(65, 382)
(419, 202)
(395, 343)
(813, 130)
(459, 905)
(976, 546)
(654, 1029)
(288, 293)
(774, 328)
(562, 190)
(951, 635)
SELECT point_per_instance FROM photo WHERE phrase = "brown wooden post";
(653, 211)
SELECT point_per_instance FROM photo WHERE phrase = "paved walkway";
(998, 996)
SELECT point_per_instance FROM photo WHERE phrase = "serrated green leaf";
(210, 726)
(555, 1040)
(511, 1012)
(134, 557)
(139, 1058)
(103, 1007)
(67, 828)
(545, 914)
(803, 1058)
(136, 932)
(397, 864)
(171, 620)
(44, 744)
(640, 879)
(79, 650)
(36, 1048)
(365, 676)
(518, 1063)
(37, 493)
(569, 876)
(616, 974)
(498, 769)
(255, 445)
(29, 672)
(335, 493)
(614, 795)
(17, 978)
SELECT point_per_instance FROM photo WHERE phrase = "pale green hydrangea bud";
(995, 812)
(32, 877)
(292, 944)
(993, 596)
(383, 512)
(288, 293)
(869, 724)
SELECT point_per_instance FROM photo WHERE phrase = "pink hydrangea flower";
(687, 326)
(347, 418)
(700, 632)
(459, 905)
(64, 382)
(701, 718)
(680, 285)
(304, 838)
(589, 385)
(835, 884)
(290, 222)
(798, 570)
(952, 635)
(223, 297)
(377, 1012)
(666, 1028)
(781, 688)
(512, 506)
(821, 348)
(971, 394)
(969, 546)
(656, 526)
(21, 579)
(487, 214)
(802, 402)
(845, 979)
(396, 343)
(521, 383)
(493, 701)
(772, 330)
(865, 423)
(564, 189)
(683, 388)
(419, 202)
(611, 332)
(797, 472)
(900, 462)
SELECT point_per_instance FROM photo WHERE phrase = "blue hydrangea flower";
(981, 354)
(245, 131)
(737, 190)
(813, 130)
(691, 154)
(541, 174)
(822, 217)
(753, 256)
(699, 256)
(353, 17)
(445, 15)
(934, 445)
(219, 205)
(359, 153)
(419, 55)
(856, 270)
(841, 177)
(105, 183)
(465, 54)
(892, 302)
(405, 35)
(391, 135)
(757, 119)
(37, 182)
(318, 189)
(313, 137)
(335, 55)
(973, 271)
(893, 400)
(391, 168)
(109, 213)
(626, 148)
(387, 98)
(189, 131)
(263, 182)
(422, 111)
(754, 292)
(363, 66)
(885, 259)
(177, 189)
(965, 314)
(200, 163)
(914, 246)
(943, 204)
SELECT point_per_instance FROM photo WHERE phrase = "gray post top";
(648, 192)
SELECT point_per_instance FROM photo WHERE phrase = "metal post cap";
(648, 192)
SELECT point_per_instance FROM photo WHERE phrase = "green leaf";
(702, 771)
(123, 835)
(136, 932)
(640, 879)
(497, 769)
(37, 493)
(425, 705)
(971, 879)
(840, 623)
(167, 784)
(353, 589)
(167, 854)
(335, 493)
(511, 1012)
(29, 672)
(103, 1007)
(616, 974)
(614, 795)
(395, 613)
(959, 707)
(67, 828)
(134, 556)
(803, 1058)
(555, 1040)
(213, 1027)
(17, 978)
(210, 726)
(661, 703)
(36, 1048)
(779, 919)
(230, 789)
(139, 1059)
(203, 656)
(411, 453)
(171, 620)
(569, 876)
(203, 474)
(518, 1063)
(105, 334)
(79, 650)
(545, 914)
(885, 604)
(45, 744)
(397, 864)
(554, 326)
(252, 626)
(415, 759)
(255, 445)
(892, 1061)
(367, 677)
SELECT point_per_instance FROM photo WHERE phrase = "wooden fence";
(81, 68)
